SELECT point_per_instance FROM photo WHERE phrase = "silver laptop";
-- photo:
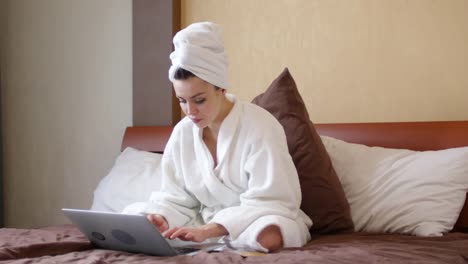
(131, 233)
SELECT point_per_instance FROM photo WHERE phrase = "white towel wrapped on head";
(199, 49)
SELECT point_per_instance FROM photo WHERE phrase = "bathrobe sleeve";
(273, 184)
(173, 201)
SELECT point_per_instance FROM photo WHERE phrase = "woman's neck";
(213, 128)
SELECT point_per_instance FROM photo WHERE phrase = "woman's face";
(199, 100)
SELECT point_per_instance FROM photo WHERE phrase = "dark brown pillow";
(323, 198)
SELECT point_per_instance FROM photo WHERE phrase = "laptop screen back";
(131, 233)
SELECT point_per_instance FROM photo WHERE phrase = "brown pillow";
(323, 198)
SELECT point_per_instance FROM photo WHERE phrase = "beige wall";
(66, 101)
(354, 61)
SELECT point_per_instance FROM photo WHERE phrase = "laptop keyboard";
(186, 250)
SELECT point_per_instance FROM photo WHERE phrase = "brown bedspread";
(65, 244)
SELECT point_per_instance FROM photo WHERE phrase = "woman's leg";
(271, 232)
(271, 238)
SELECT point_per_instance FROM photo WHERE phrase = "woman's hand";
(158, 221)
(196, 234)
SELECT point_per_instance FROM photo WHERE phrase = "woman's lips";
(196, 120)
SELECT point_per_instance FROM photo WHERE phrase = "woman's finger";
(170, 232)
(182, 234)
(158, 221)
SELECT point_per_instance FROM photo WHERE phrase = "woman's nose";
(191, 108)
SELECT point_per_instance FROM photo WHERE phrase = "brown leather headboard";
(147, 138)
(409, 135)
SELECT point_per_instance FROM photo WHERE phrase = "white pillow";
(133, 177)
(401, 191)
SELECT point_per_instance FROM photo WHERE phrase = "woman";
(227, 170)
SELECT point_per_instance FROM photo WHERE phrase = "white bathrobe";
(253, 185)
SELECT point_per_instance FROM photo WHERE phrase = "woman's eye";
(199, 101)
(181, 101)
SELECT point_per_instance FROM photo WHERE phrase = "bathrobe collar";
(227, 132)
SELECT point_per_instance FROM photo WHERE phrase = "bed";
(65, 244)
